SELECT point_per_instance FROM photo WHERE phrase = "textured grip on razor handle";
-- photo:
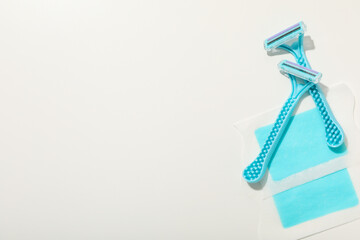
(256, 170)
(334, 133)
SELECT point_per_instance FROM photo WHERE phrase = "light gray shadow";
(261, 184)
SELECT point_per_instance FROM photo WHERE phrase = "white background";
(116, 117)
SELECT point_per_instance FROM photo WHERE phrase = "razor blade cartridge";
(289, 68)
(284, 36)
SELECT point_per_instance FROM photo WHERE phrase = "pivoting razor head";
(289, 68)
(284, 36)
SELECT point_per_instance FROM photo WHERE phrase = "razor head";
(284, 36)
(289, 68)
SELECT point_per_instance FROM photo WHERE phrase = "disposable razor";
(302, 79)
(334, 133)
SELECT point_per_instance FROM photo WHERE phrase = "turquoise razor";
(334, 133)
(302, 79)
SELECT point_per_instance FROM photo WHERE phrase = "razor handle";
(334, 133)
(256, 170)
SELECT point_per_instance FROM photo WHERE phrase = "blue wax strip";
(303, 145)
(315, 199)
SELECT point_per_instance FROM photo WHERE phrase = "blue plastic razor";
(334, 133)
(302, 79)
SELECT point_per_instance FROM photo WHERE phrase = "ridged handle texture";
(255, 171)
(334, 134)
(333, 131)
